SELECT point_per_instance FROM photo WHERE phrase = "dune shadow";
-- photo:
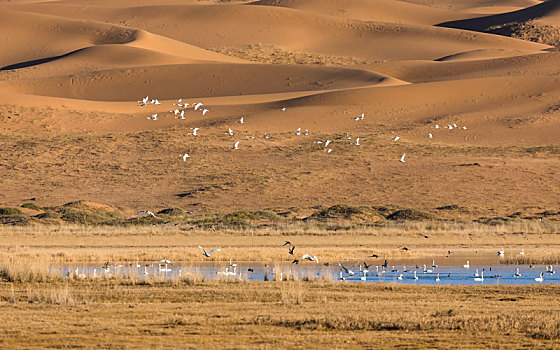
(484, 23)
(36, 62)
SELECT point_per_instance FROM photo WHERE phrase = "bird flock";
(181, 107)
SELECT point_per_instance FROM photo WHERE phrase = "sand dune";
(472, 5)
(379, 11)
(212, 26)
(72, 128)
(198, 80)
(548, 12)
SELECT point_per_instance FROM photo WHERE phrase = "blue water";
(448, 275)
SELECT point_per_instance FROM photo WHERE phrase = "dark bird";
(366, 266)
(287, 243)
(250, 270)
(384, 264)
(423, 235)
(404, 249)
(326, 264)
(296, 261)
(291, 251)
(374, 256)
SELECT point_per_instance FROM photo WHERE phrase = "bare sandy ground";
(71, 73)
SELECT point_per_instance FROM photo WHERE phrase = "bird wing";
(214, 250)
(316, 259)
(344, 268)
(305, 256)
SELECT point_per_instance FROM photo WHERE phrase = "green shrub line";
(338, 215)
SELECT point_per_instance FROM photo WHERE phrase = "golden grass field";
(121, 314)
(40, 309)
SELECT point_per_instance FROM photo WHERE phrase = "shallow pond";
(411, 274)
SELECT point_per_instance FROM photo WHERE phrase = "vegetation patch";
(409, 214)
(345, 212)
(84, 217)
(9, 211)
(31, 206)
(172, 212)
(18, 219)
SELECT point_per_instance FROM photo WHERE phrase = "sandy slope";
(547, 12)
(72, 129)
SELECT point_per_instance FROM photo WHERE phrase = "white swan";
(437, 277)
(310, 258)
(236, 145)
(402, 158)
(539, 279)
(476, 273)
(142, 212)
(479, 279)
(348, 271)
(209, 253)
(517, 274)
(467, 265)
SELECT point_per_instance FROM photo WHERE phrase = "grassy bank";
(277, 314)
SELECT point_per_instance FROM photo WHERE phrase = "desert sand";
(71, 73)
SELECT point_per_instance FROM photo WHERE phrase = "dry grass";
(535, 258)
(41, 310)
(277, 314)
(329, 242)
(273, 55)
(17, 268)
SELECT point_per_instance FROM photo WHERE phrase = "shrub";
(77, 216)
(9, 211)
(31, 206)
(18, 219)
(410, 215)
(172, 212)
(337, 211)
